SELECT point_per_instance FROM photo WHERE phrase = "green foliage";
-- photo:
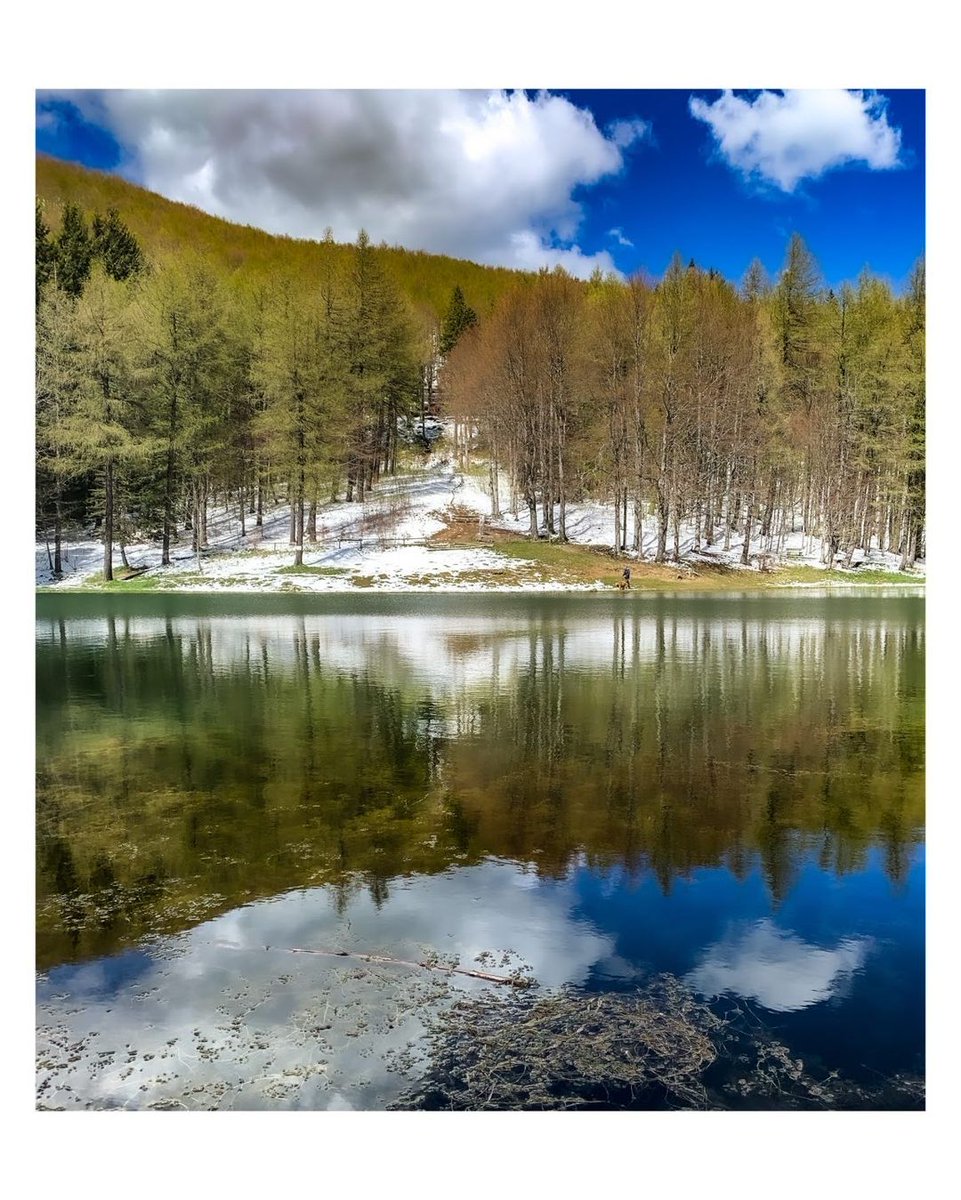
(74, 250)
(795, 320)
(260, 366)
(45, 252)
(459, 316)
(188, 370)
(161, 226)
(116, 246)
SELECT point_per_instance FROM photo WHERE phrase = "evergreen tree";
(115, 246)
(74, 251)
(459, 316)
(100, 433)
(45, 253)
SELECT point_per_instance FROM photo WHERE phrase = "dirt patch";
(466, 528)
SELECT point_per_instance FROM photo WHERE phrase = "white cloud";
(618, 235)
(784, 138)
(626, 133)
(776, 968)
(482, 175)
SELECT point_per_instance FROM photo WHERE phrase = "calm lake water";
(599, 791)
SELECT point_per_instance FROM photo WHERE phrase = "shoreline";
(731, 587)
(431, 531)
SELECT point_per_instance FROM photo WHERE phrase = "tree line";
(162, 386)
(693, 407)
(698, 409)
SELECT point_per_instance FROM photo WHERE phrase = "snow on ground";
(384, 543)
(593, 524)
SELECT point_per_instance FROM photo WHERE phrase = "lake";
(682, 837)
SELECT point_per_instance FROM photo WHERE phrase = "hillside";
(162, 225)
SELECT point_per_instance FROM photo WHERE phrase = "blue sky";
(616, 179)
(678, 193)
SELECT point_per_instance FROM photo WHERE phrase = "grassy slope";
(163, 226)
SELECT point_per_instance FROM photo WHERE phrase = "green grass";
(306, 569)
(583, 564)
(139, 583)
(808, 574)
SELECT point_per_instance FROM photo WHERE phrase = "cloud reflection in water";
(218, 1012)
(777, 968)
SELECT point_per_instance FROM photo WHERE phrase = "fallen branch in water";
(517, 981)
(521, 981)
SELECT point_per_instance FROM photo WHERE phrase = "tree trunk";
(195, 516)
(617, 519)
(168, 492)
(495, 496)
(662, 517)
(57, 536)
(746, 551)
(204, 487)
(108, 522)
(561, 494)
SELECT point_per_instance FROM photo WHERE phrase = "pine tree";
(115, 246)
(755, 285)
(459, 316)
(74, 251)
(45, 252)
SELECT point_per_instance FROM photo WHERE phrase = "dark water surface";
(727, 789)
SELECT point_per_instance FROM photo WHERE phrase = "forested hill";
(183, 361)
(163, 226)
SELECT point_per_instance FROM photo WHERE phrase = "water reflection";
(226, 1014)
(189, 763)
(727, 790)
(777, 968)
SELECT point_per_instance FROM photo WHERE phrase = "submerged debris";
(569, 1050)
(660, 1047)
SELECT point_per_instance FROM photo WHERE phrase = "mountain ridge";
(164, 226)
